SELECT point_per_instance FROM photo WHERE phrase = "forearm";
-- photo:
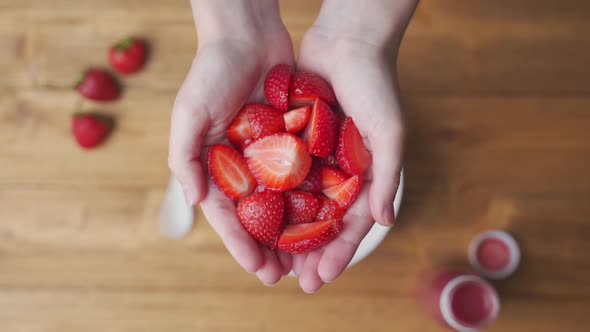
(235, 18)
(378, 22)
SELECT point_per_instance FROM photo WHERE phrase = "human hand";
(358, 61)
(238, 44)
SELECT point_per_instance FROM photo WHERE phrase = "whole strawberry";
(128, 56)
(90, 129)
(261, 214)
(98, 84)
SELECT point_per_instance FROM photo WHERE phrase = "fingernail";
(267, 285)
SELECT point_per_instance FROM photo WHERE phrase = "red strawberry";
(328, 209)
(321, 133)
(351, 153)
(302, 238)
(313, 181)
(229, 171)
(239, 132)
(98, 84)
(276, 86)
(127, 56)
(344, 193)
(300, 206)
(332, 176)
(261, 214)
(296, 119)
(90, 129)
(265, 120)
(279, 161)
(306, 87)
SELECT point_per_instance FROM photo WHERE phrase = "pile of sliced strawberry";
(307, 164)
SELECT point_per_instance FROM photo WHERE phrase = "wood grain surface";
(498, 108)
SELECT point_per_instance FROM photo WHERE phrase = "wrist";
(380, 23)
(237, 19)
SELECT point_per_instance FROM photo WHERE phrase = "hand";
(237, 47)
(361, 73)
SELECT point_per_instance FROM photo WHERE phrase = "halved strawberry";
(321, 133)
(306, 87)
(229, 171)
(239, 132)
(351, 153)
(265, 120)
(279, 161)
(332, 176)
(261, 214)
(313, 181)
(300, 206)
(296, 119)
(328, 209)
(302, 238)
(346, 192)
(276, 86)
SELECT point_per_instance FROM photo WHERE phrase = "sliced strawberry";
(302, 238)
(265, 120)
(296, 119)
(346, 192)
(261, 214)
(332, 176)
(351, 153)
(328, 209)
(276, 86)
(313, 181)
(300, 206)
(230, 172)
(321, 133)
(279, 161)
(306, 87)
(239, 132)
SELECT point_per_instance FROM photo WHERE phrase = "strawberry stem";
(81, 77)
(124, 44)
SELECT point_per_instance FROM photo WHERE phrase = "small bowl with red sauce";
(494, 254)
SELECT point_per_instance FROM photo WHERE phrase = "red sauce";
(493, 254)
(472, 303)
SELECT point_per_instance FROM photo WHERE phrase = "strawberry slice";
(239, 132)
(306, 87)
(328, 209)
(265, 120)
(346, 192)
(297, 239)
(279, 161)
(261, 214)
(351, 153)
(229, 171)
(296, 119)
(313, 181)
(332, 176)
(321, 133)
(300, 206)
(276, 86)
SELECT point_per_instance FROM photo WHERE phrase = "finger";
(298, 263)
(271, 272)
(186, 138)
(286, 261)
(220, 211)
(338, 253)
(309, 281)
(205, 103)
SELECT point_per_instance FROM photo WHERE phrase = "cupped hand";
(226, 73)
(365, 85)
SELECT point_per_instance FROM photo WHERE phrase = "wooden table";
(498, 104)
